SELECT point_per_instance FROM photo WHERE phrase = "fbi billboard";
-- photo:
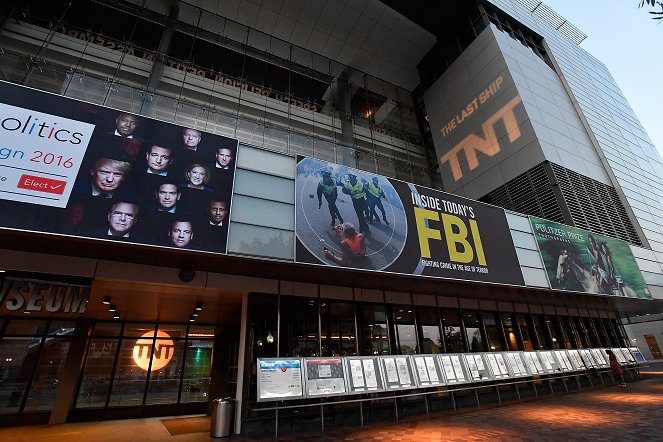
(73, 168)
(354, 219)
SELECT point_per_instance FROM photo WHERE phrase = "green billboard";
(582, 261)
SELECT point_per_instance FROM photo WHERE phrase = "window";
(429, 326)
(475, 341)
(406, 339)
(338, 328)
(452, 331)
(494, 337)
(374, 332)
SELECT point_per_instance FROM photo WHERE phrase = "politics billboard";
(355, 219)
(582, 261)
(73, 168)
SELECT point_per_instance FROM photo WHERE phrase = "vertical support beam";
(160, 59)
(239, 389)
(342, 100)
(65, 395)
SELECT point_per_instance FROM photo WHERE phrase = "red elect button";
(41, 184)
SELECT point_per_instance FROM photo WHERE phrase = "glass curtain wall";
(207, 72)
(33, 354)
(134, 364)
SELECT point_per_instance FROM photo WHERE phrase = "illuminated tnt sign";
(488, 144)
(163, 351)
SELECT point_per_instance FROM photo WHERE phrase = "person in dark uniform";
(374, 197)
(328, 187)
(355, 189)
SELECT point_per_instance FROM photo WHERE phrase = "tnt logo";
(163, 351)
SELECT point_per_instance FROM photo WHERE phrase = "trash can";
(223, 413)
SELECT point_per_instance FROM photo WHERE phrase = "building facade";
(175, 240)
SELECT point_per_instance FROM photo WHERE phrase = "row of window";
(308, 327)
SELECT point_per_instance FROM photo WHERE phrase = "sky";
(628, 42)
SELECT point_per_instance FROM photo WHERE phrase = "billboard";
(582, 261)
(355, 219)
(73, 168)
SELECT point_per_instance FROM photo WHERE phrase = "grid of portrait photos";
(149, 182)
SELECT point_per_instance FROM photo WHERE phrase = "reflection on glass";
(430, 330)
(338, 328)
(508, 323)
(526, 331)
(452, 330)
(197, 367)
(25, 327)
(45, 380)
(375, 339)
(432, 343)
(165, 372)
(473, 331)
(97, 374)
(492, 332)
(17, 366)
(407, 340)
(129, 381)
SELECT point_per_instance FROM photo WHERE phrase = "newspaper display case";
(427, 370)
(364, 375)
(497, 364)
(563, 360)
(576, 360)
(600, 357)
(637, 355)
(280, 379)
(398, 373)
(454, 368)
(477, 367)
(549, 362)
(621, 358)
(630, 359)
(516, 364)
(533, 363)
(588, 358)
(324, 377)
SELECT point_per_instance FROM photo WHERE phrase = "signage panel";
(533, 362)
(428, 370)
(73, 168)
(397, 372)
(364, 374)
(477, 367)
(398, 227)
(637, 355)
(454, 369)
(516, 364)
(324, 376)
(582, 261)
(40, 155)
(280, 379)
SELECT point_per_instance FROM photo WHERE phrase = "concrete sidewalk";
(606, 413)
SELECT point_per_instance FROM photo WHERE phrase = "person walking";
(616, 368)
